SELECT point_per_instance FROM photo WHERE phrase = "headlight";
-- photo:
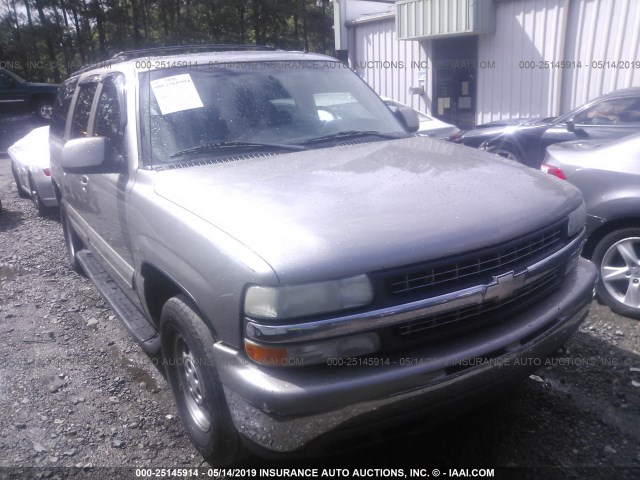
(577, 219)
(278, 303)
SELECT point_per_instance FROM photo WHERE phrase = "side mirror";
(408, 117)
(89, 155)
(571, 126)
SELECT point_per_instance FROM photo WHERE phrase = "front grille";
(488, 310)
(454, 274)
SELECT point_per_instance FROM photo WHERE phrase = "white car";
(429, 126)
(30, 168)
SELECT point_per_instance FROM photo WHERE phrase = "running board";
(133, 319)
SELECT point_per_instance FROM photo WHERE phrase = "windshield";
(224, 109)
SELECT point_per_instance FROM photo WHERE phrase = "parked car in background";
(429, 126)
(611, 116)
(30, 168)
(19, 96)
(608, 173)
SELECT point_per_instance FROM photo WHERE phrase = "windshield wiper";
(351, 134)
(237, 145)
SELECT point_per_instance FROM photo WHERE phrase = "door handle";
(84, 180)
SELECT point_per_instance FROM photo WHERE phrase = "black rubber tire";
(44, 109)
(71, 240)
(210, 428)
(599, 254)
(21, 192)
(505, 151)
(40, 207)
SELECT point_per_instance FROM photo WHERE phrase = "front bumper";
(284, 410)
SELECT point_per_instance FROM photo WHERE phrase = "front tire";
(190, 366)
(617, 257)
(505, 151)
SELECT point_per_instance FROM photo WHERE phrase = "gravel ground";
(77, 395)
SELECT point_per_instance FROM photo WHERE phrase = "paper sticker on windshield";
(176, 93)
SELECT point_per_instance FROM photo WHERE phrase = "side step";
(140, 328)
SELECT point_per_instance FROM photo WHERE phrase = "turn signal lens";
(312, 353)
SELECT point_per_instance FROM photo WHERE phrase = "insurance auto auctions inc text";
(373, 472)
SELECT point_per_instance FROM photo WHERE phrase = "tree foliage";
(46, 40)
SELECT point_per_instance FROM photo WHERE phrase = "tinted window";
(61, 107)
(616, 111)
(83, 110)
(109, 118)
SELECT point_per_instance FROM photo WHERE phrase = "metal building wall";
(601, 31)
(531, 31)
(526, 31)
(430, 18)
(376, 41)
(585, 31)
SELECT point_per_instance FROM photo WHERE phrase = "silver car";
(307, 267)
(608, 173)
(31, 169)
(429, 126)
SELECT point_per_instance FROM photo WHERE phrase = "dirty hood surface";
(332, 212)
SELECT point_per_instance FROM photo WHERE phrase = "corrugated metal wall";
(421, 18)
(375, 43)
(537, 30)
(512, 78)
(601, 31)
(526, 31)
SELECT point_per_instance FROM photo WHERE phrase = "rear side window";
(617, 111)
(61, 107)
(81, 114)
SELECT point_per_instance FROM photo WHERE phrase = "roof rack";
(132, 54)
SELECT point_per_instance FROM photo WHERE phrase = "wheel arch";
(158, 287)
(604, 230)
(42, 96)
(507, 143)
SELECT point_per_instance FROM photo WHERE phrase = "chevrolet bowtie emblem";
(504, 286)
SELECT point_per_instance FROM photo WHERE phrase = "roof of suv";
(155, 61)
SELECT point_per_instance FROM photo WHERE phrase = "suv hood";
(334, 212)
